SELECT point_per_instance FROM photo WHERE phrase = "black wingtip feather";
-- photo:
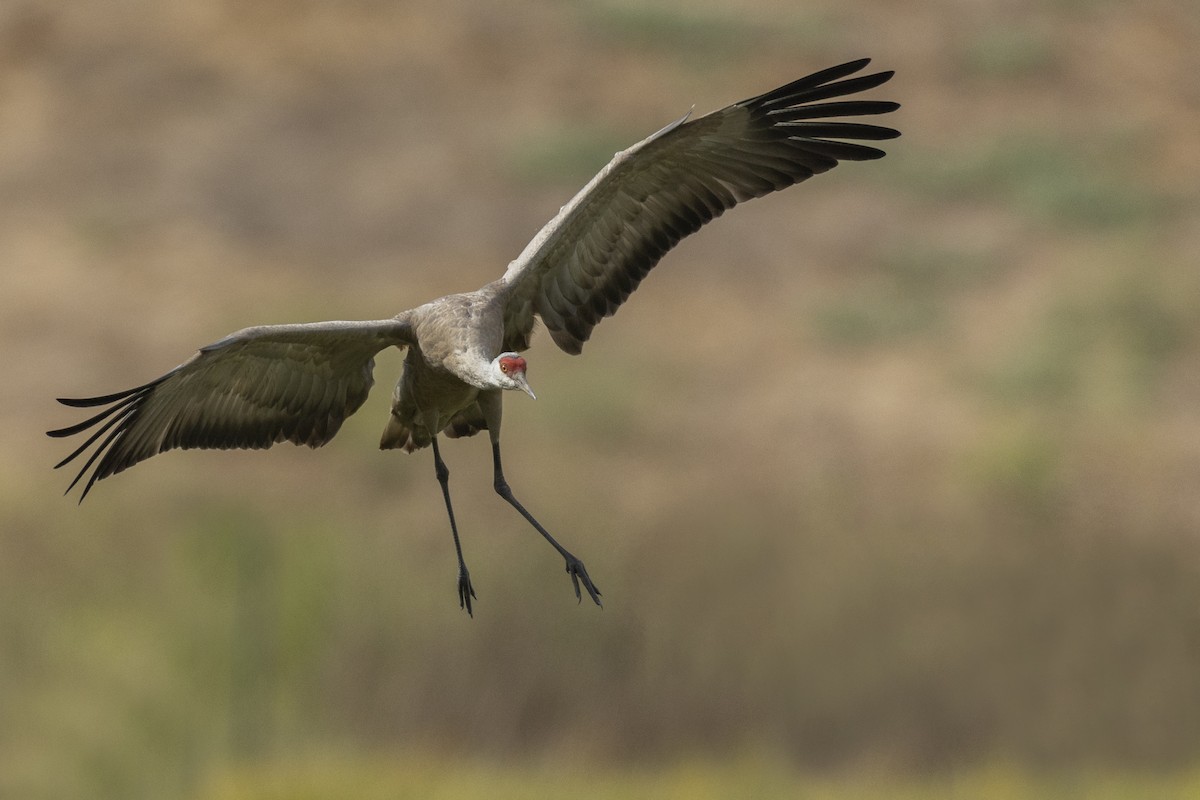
(123, 412)
(842, 151)
(89, 402)
(838, 108)
(71, 430)
(838, 130)
(825, 83)
(823, 76)
(118, 419)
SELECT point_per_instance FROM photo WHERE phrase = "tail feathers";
(399, 436)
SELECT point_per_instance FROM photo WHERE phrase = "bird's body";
(299, 382)
(457, 338)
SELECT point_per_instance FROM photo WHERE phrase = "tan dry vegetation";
(898, 470)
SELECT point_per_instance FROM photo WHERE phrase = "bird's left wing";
(253, 388)
(587, 260)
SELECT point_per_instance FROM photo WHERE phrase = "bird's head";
(509, 372)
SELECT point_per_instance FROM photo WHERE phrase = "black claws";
(466, 592)
(578, 572)
(575, 568)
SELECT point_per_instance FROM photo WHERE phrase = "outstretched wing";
(253, 388)
(584, 263)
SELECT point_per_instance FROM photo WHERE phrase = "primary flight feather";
(298, 383)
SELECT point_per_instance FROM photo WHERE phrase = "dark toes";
(578, 572)
(466, 592)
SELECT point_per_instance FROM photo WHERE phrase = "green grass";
(1039, 176)
(704, 38)
(1109, 343)
(438, 779)
(872, 316)
(1008, 52)
(908, 294)
(565, 155)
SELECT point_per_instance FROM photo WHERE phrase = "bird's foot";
(578, 573)
(466, 592)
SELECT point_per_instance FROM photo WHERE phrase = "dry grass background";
(894, 474)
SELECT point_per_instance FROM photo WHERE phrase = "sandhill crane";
(298, 383)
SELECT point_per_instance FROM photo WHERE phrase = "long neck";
(476, 370)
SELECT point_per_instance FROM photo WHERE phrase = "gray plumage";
(298, 383)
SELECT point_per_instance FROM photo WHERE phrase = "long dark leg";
(465, 591)
(575, 567)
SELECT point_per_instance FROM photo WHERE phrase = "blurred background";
(891, 481)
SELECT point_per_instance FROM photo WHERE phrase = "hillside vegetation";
(887, 479)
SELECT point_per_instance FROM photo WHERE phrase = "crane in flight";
(299, 382)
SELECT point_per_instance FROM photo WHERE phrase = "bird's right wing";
(253, 388)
